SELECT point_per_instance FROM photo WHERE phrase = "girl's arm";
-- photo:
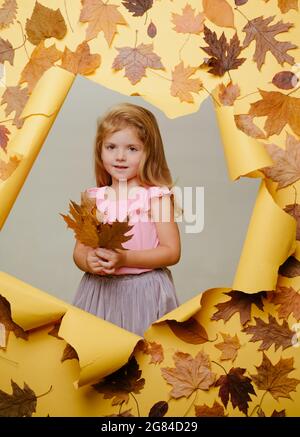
(79, 255)
(169, 249)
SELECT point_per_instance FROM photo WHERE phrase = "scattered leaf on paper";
(8, 12)
(229, 347)
(219, 12)
(6, 320)
(189, 331)
(15, 98)
(159, 409)
(81, 61)
(182, 85)
(245, 123)
(21, 403)
(188, 21)
(289, 301)
(138, 7)
(290, 268)
(229, 93)
(216, 410)
(69, 353)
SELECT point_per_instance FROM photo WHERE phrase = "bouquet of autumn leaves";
(89, 228)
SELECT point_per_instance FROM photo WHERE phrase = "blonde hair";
(153, 168)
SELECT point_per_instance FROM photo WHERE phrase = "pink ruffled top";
(137, 206)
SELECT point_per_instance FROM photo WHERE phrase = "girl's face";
(121, 154)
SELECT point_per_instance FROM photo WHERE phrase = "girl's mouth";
(120, 167)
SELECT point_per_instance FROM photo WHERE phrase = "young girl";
(131, 288)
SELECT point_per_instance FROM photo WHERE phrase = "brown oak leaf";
(189, 331)
(45, 23)
(245, 123)
(8, 12)
(188, 22)
(229, 347)
(260, 31)
(119, 384)
(42, 58)
(69, 353)
(4, 132)
(238, 386)
(182, 85)
(7, 52)
(270, 333)
(15, 98)
(289, 301)
(286, 167)
(274, 379)
(7, 168)
(240, 302)
(279, 109)
(229, 93)
(21, 403)
(189, 374)
(290, 268)
(216, 410)
(138, 7)
(81, 61)
(136, 60)
(101, 17)
(224, 56)
(6, 320)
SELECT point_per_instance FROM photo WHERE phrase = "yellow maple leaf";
(101, 17)
(182, 85)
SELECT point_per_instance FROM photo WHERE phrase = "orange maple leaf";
(206, 411)
(188, 22)
(286, 167)
(229, 347)
(101, 17)
(279, 109)
(81, 61)
(136, 60)
(273, 377)
(15, 99)
(182, 85)
(42, 58)
(7, 168)
(8, 13)
(189, 374)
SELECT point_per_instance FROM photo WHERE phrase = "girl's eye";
(133, 148)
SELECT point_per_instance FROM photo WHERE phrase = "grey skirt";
(131, 301)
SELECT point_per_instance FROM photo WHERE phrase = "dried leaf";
(229, 93)
(154, 349)
(270, 333)
(15, 99)
(8, 13)
(4, 132)
(286, 5)
(229, 347)
(119, 384)
(101, 17)
(238, 386)
(136, 60)
(42, 58)
(263, 34)
(7, 168)
(45, 23)
(294, 210)
(289, 301)
(21, 403)
(69, 353)
(285, 80)
(224, 55)
(240, 302)
(245, 123)
(81, 61)
(125, 413)
(9, 324)
(216, 410)
(189, 331)
(151, 30)
(286, 167)
(7, 52)
(280, 109)
(278, 413)
(138, 7)
(182, 86)
(189, 374)
(274, 379)
(219, 12)
(290, 268)
(159, 409)
(188, 22)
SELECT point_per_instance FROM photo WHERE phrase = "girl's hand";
(110, 259)
(94, 266)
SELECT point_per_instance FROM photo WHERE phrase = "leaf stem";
(219, 365)
(65, 2)
(23, 38)
(137, 404)
(259, 405)
(186, 40)
(194, 400)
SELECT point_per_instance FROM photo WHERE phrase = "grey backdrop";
(36, 246)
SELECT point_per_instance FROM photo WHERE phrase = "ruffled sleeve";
(159, 192)
(140, 208)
